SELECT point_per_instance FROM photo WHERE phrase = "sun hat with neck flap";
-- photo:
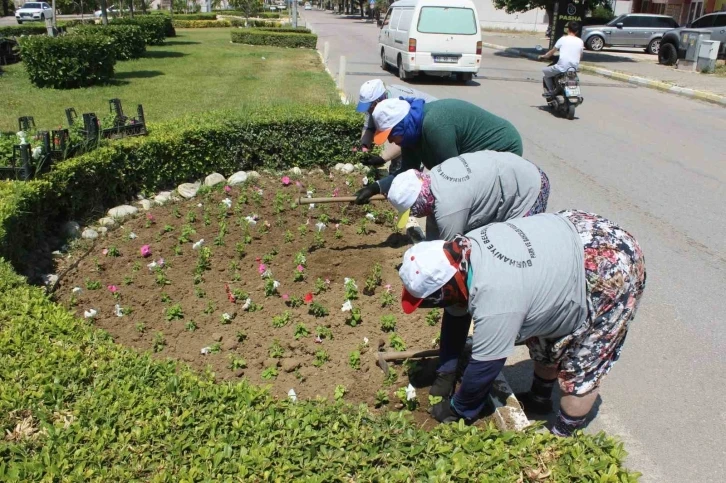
(370, 92)
(403, 193)
(386, 115)
(425, 269)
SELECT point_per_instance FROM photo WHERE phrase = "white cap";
(425, 269)
(386, 115)
(404, 190)
(370, 92)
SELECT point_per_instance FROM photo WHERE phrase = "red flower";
(308, 297)
(230, 296)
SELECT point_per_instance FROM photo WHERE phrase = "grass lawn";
(198, 70)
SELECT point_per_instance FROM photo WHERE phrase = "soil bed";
(178, 309)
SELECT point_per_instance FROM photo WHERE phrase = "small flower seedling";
(351, 289)
(339, 392)
(354, 318)
(281, 320)
(434, 400)
(269, 373)
(289, 237)
(322, 332)
(387, 299)
(433, 317)
(165, 298)
(354, 360)
(381, 398)
(321, 286)
(276, 351)
(388, 323)
(174, 312)
(301, 331)
(113, 252)
(190, 326)
(211, 307)
(318, 310)
(321, 357)
(236, 362)
(396, 342)
(168, 229)
(159, 342)
(226, 319)
(407, 396)
(241, 336)
(271, 287)
(294, 302)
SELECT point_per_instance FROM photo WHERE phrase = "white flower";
(260, 192)
(226, 316)
(312, 206)
(309, 194)
(199, 205)
(318, 340)
(370, 216)
(152, 266)
(320, 226)
(365, 341)
(350, 281)
(21, 135)
(275, 284)
(206, 350)
(410, 392)
(132, 236)
(347, 306)
(198, 244)
(118, 311)
(90, 313)
(267, 274)
(37, 152)
(250, 220)
(77, 290)
(347, 183)
(291, 394)
(365, 180)
(247, 304)
(227, 202)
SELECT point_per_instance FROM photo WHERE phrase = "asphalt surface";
(655, 164)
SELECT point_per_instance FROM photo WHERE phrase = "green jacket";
(452, 127)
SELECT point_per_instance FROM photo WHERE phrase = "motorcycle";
(566, 96)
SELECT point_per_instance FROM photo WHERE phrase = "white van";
(436, 37)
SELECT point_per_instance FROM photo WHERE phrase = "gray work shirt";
(475, 189)
(527, 280)
(395, 91)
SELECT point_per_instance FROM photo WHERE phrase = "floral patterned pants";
(540, 204)
(615, 280)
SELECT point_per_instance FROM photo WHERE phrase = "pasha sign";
(565, 11)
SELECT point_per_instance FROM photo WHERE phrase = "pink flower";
(298, 184)
(285, 297)
(327, 281)
(150, 217)
(335, 192)
(300, 268)
(318, 340)
(160, 262)
(387, 287)
(112, 288)
(364, 149)
(145, 251)
(285, 180)
(258, 259)
(337, 225)
(227, 189)
(262, 268)
(355, 150)
(105, 251)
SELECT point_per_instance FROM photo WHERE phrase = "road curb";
(343, 97)
(707, 96)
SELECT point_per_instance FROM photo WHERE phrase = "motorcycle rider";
(570, 49)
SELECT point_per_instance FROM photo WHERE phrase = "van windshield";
(447, 20)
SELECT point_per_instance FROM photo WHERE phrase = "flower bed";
(201, 24)
(261, 285)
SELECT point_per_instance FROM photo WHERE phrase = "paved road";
(654, 163)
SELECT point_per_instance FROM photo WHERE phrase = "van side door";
(384, 33)
(403, 28)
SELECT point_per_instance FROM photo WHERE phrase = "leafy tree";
(514, 6)
(249, 7)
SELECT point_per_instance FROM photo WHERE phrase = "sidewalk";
(629, 65)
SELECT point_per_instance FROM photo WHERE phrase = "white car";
(33, 11)
(112, 11)
(308, 6)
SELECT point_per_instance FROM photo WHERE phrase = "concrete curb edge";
(343, 97)
(631, 79)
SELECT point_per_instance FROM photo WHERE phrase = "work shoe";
(533, 405)
(444, 385)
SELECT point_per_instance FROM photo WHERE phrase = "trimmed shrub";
(17, 31)
(112, 414)
(236, 22)
(128, 39)
(155, 28)
(201, 24)
(267, 37)
(237, 13)
(291, 30)
(172, 153)
(68, 61)
(195, 16)
(76, 22)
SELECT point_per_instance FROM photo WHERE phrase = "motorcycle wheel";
(571, 112)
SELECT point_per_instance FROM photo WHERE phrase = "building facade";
(490, 17)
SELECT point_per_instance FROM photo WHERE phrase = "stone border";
(707, 96)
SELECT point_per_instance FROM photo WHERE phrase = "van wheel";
(384, 65)
(402, 74)
(653, 47)
(667, 54)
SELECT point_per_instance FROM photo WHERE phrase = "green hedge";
(237, 13)
(201, 24)
(173, 153)
(17, 31)
(107, 413)
(68, 61)
(154, 27)
(268, 37)
(127, 39)
(291, 30)
(195, 16)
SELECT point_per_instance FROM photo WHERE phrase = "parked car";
(308, 6)
(33, 11)
(671, 48)
(112, 11)
(435, 37)
(629, 30)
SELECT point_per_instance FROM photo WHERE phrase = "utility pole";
(104, 13)
(294, 14)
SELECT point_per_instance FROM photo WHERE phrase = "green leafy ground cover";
(196, 71)
(76, 407)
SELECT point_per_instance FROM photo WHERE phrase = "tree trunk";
(104, 13)
(6, 8)
(131, 8)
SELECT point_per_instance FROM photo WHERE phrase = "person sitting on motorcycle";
(570, 49)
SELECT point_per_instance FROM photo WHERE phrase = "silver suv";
(672, 48)
(629, 30)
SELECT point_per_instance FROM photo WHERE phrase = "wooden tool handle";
(394, 356)
(335, 199)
